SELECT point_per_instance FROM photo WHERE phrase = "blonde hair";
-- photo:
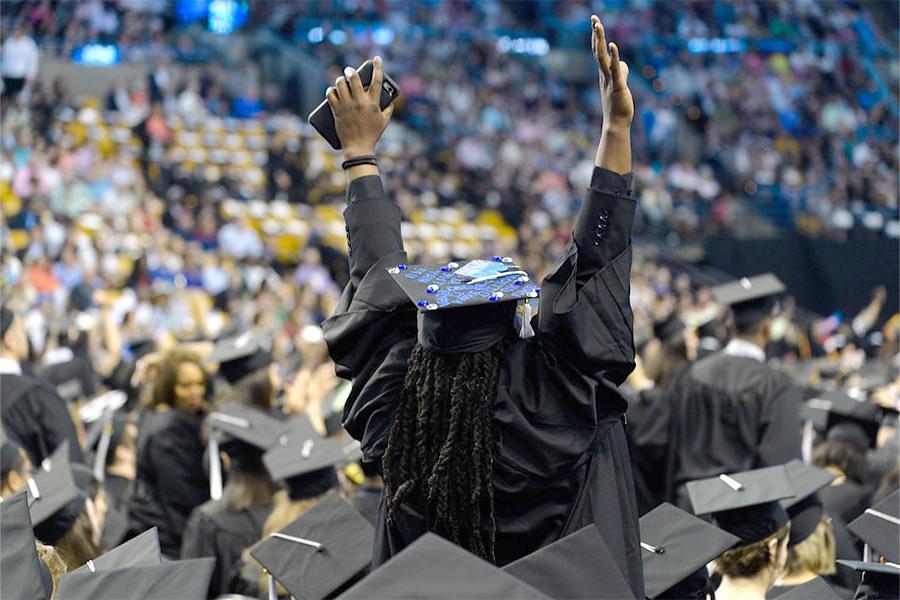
(750, 560)
(51, 557)
(815, 554)
(77, 545)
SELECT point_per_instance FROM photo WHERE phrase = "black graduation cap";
(247, 424)
(751, 298)
(844, 418)
(241, 355)
(320, 552)
(744, 504)
(20, 567)
(481, 292)
(815, 589)
(675, 544)
(10, 454)
(54, 500)
(879, 527)
(244, 433)
(140, 551)
(305, 461)
(183, 579)
(432, 567)
(883, 578)
(805, 508)
(577, 566)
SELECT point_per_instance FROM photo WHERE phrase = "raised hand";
(358, 117)
(618, 105)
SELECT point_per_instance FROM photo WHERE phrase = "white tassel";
(215, 469)
(525, 329)
(273, 593)
(103, 448)
(806, 441)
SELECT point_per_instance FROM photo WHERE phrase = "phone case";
(322, 118)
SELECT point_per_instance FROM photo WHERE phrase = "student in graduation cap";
(747, 505)
(171, 480)
(501, 444)
(32, 413)
(304, 463)
(730, 411)
(233, 520)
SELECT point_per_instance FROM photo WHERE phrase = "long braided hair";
(439, 456)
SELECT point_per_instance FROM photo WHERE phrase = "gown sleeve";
(56, 423)
(373, 329)
(199, 538)
(779, 441)
(178, 489)
(585, 314)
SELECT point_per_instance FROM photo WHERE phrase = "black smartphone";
(322, 118)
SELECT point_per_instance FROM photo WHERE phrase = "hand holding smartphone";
(322, 119)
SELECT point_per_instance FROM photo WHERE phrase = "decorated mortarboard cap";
(54, 500)
(579, 565)
(432, 567)
(751, 298)
(879, 527)
(320, 552)
(481, 292)
(883, 578)
(241, 355)
(744, 504)
(183, 579)
(805, 509)
(815, 589)
(140, 551)
(20, 567)
(305, 464)
(675, 544)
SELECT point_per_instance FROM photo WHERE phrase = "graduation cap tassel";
(273, 593)
(526, 331)
(806, 441)
(215, 469)
(103, 449)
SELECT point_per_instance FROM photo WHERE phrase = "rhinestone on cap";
(506, 259)
(498, 259)
(449, 267)
(521, 280)
(422, 303)
(431, 306)
(495, 296)
(393, 270)
(402, 267)
(534, 293)
(432, 289)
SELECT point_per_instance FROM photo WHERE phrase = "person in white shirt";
(18, 62)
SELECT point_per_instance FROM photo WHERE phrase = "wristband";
(368, 159)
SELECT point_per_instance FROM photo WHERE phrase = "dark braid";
(439, 457)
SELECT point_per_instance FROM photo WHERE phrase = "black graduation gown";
(366, 500)
(648, 437)
(171, 480)
(35, 417)
(730, 414)
(560, 455)
(215, 530)
(846, 501)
